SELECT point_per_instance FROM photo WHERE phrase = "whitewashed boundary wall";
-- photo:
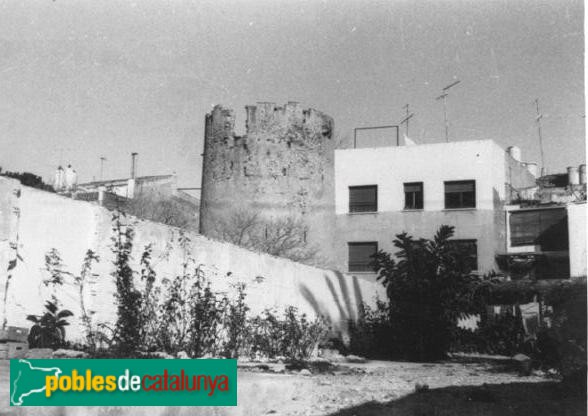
(32, 222)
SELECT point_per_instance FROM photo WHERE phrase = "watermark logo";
(123, 382)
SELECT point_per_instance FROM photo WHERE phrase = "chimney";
(573, 177)
(582, 170)
(133, 165)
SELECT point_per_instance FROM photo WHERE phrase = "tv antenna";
(538, 121)
(409, 115)
(444, 97)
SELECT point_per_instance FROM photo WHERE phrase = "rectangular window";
(413, 195)
(460, 194)
(467, 253)
(545, 227)
(360, 256)
(363, 198)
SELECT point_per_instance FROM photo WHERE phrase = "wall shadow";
(348, 300)
(516, 399)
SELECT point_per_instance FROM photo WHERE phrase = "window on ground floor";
(360, 256)
(466, 253)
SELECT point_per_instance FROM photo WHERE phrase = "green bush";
(48, 330)
(501, 334)
(429, 288)
(373, 335)
(293, 336)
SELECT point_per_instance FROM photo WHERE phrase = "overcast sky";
(84, 79)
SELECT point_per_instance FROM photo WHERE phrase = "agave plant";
(48, 330)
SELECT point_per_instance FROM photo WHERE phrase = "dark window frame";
(364, 266)
(416, 202)
(371, 206)
(547, 227)
(455, 242)
(463, 197)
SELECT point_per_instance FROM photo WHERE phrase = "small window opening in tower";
(284, 171)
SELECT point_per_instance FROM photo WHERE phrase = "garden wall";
(32, 222)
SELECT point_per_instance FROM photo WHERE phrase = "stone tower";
(282, 167)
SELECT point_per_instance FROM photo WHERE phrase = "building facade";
(382, 192)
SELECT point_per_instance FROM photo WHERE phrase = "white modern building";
(381, 192)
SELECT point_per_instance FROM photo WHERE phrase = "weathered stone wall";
(282, 167)
(46, 221)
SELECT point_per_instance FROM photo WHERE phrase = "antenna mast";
(409, 115)
(538, 121)
(444, 97)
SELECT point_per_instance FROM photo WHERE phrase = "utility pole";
(409, 115)
(538, 121)
(444, 97)
(102, 160)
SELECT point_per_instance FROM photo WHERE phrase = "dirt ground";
(456, 387)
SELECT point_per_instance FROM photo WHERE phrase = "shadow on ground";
(520, 399)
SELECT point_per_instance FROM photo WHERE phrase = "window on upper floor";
(413, 195)
(547, 228)
(467, 253)
(460, 194)
(363, 198)
(360, 256)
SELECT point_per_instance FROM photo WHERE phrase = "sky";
(82, 79)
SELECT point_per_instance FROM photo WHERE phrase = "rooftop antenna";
(102, 160)
(409, 115)
(444, 96)
(538, 121)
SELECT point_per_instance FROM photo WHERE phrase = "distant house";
(384, 191)
(130, 187)
(138, 196)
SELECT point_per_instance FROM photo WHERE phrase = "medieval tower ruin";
(281, 168)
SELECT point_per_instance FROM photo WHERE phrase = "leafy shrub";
(128, 298)
(429, 288)
(501, 334)
(236, 324)
(373, 336)
(48, 330)
(562, 342)
(81, 281)
(294, 337)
